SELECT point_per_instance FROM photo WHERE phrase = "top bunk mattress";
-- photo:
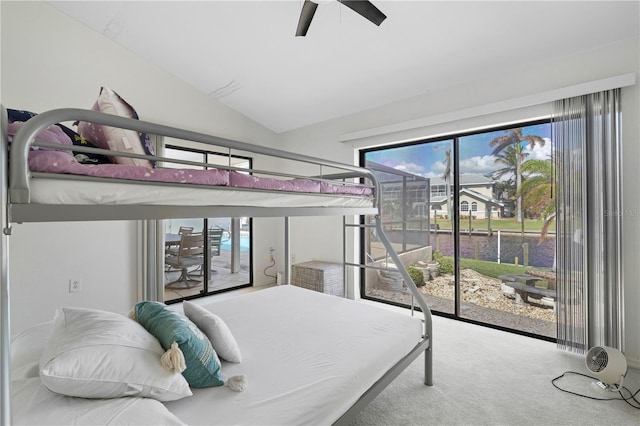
(56, 191)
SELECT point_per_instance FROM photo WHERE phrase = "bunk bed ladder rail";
(426, 344)
(416, 295)
(428, 326)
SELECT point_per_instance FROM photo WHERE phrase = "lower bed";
(307, 356)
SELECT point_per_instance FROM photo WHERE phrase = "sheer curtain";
(587, 134)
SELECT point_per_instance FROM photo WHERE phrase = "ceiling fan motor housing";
(606, 364)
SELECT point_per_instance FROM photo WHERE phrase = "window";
(511, 167)
(438, 190)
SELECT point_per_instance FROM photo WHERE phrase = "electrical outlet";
(271, 254)
(75, 285)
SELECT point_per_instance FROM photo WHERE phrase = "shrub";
(446, 262)
(416, 275)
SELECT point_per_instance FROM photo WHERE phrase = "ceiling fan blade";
(366, 9)
(306, 15)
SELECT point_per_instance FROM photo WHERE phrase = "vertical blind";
(587, 134)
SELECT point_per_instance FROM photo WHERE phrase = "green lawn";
(488, 269)
(509, 224)
(492, 269)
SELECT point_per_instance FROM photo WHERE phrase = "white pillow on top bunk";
(215, 329)
(99, 354)
(114, 138)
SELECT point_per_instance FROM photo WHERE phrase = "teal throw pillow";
(203, 366)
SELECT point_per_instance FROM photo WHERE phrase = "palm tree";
(515, 138)
(446, 176)
(509, 158)
(538, 190)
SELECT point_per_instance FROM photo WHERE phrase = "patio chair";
(215, 240)
(172, 246)
(184, 230)
(190, 253)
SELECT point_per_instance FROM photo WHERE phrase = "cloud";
(479, 164)
(414, 168)
(438, 168)
(539, 153)
(486, 164)
(404, 166)
(432, 174)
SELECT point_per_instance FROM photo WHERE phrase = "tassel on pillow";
(237, 383)
(173, 359)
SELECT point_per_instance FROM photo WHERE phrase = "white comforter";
(307, 356)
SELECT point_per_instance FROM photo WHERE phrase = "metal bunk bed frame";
(17, 208)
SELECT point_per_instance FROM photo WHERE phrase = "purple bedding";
(63, 162)
(51, 160)
(243, 180)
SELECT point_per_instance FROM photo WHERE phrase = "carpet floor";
(484, 376)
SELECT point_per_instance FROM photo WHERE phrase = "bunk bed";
(310, 358)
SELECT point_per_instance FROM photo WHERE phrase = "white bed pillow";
(26, 349)
(216, 330)
(33, 404)
(99, 354)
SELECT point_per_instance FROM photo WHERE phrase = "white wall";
(445, 105)
(51, 61)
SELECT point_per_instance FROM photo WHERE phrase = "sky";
(428, 159)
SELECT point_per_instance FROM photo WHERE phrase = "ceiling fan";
(362, 7)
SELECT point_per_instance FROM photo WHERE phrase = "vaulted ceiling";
(245, 53)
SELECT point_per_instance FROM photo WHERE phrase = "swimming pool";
(245, 244)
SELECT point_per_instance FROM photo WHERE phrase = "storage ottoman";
(325, 277)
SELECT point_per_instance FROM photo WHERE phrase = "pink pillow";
(52, 134)
(113, 138)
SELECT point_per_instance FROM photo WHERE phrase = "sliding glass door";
(221, 260)
(472, 216)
